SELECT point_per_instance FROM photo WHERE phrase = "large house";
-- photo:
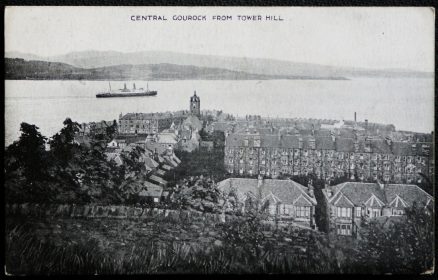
(148, 123)
(328, 154)
(349, 202)
(284, 199)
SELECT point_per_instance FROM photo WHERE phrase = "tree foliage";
(198, 193)
(68, 172)
(397, 246)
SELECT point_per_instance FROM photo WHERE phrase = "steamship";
(125, 92)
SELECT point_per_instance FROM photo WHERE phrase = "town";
(368, 169)
(247, 181)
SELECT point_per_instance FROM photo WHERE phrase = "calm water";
(406, 103)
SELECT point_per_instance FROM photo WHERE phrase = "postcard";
(154, 140)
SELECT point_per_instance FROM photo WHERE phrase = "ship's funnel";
(134, 86)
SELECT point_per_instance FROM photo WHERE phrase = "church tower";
(195, 105)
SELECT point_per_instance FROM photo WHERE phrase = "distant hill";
(96, 59)
(20, 69)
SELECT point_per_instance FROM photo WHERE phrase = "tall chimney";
(366, 124)
(354, 116)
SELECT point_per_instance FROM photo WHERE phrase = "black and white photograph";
(219, 140)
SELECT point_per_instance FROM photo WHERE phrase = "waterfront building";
(149, 123)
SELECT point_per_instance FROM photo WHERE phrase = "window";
(286, 209)
(343, 212)
(155, 199)
(358, 212)
(375, 212)
(303, 211)
(343, 229)
(397, 212)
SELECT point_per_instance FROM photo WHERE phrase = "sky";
(378, 38)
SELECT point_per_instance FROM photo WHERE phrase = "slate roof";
(409, 193)
(380, 146)
(151, 163)
(287, 191)
(359, 193)
(325, 143)
(146, 116)
(158, 179)
(344, 144)
(161, 172)
(151, 190)
(222, 126)
(167, 138)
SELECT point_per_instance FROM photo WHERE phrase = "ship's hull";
(126, 94)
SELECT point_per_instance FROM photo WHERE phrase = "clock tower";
(195, 105)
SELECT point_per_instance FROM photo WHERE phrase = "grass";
(29, 252)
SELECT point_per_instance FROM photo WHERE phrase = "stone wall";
(91, 211)
(107, 211)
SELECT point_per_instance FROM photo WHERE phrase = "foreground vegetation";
(241, 245)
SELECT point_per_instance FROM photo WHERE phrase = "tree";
(397, 246)
(62, 144)
(28, 153)
(245, 234)
(199, 194)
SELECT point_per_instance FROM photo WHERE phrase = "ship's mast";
(109, 83)
(147, 86)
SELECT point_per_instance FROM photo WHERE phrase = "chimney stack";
(354, 116)
(366, 124)
(259, 181)
(381, 185)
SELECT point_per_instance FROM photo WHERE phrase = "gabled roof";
(287, 191)
(358, 193)
(302, 201)
(343, 201)
(408, 193)
(373, 201)
(398, 202)
(372, 194)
